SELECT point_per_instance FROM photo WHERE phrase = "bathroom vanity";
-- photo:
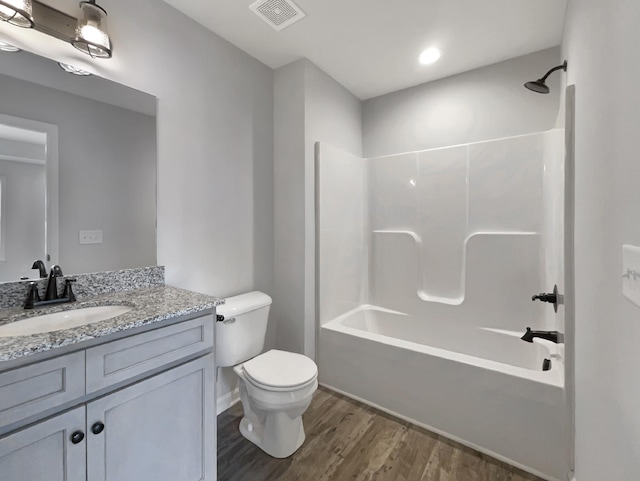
(131, 397)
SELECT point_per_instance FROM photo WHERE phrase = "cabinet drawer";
(32, 389)
(118, 361)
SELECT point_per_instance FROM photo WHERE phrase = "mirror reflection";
(77, 170)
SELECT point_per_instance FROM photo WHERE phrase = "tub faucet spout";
(553, 336)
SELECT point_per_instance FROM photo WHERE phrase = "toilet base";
(287, 441)
(274, 421)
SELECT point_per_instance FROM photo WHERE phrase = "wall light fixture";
(17, 12)
(91, 34)
(88, 33)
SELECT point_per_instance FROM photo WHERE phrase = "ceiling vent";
(278, 13)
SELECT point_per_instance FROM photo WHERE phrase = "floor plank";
(348, 441)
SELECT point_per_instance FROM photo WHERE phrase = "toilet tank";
(241, 335)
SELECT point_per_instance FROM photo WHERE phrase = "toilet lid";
(281, 369)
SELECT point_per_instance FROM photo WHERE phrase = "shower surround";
(426, 266)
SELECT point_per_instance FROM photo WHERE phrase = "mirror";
(77, 170)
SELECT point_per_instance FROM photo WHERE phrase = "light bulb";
(430, 56)
(93, 34)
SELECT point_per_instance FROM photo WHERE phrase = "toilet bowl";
(276, 387)
(272, 408)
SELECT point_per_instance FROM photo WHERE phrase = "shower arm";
(554, 69)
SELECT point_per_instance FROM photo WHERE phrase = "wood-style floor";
(348, 441)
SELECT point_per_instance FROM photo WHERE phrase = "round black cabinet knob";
(77, 437)
(97, 428)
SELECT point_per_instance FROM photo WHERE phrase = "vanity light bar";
(54, 22)
(75, 31)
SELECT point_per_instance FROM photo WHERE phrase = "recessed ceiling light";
(7, 47)
(430, 55)
(73, 70)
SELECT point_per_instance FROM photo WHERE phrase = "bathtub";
(482, 387)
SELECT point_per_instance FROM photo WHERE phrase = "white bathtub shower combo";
(427, 262)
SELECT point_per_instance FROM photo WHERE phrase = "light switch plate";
(631, 273)
(90, 237)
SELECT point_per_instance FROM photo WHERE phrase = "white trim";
(24, 160)
(3, 217)
(569, 267)
(445, 434)
(227, 401)
(51, 242)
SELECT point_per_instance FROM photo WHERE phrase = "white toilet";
(275, 387)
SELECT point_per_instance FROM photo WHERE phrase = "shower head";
(540, 86)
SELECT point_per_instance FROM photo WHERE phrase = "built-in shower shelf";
(409, 233)
(457, 299)
(451, 301)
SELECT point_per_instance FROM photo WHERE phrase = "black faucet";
(51, 296)
(40, 266)
(553, 336)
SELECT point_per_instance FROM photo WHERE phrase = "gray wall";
(22, 217)
(107, 175)
(215, 140)
(487, 103)
(601, 45)
(287, 314)
(310, 106)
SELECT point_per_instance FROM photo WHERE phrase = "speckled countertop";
(150, 305)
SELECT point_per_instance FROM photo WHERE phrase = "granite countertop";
(150, 305)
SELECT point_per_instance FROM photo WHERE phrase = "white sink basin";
(59, 321)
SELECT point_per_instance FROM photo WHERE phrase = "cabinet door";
(45, 452)
(161, 429)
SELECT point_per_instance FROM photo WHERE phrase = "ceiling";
(371, 46)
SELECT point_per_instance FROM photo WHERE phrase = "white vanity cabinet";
(127, 427)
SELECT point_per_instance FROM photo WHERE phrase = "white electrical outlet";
(631, 273)
(90, 237)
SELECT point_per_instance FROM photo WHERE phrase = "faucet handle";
(551, 298)
(56, 271)
(32, 296)
(68, 291)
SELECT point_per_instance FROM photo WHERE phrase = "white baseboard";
(226, 401)
(446, 435)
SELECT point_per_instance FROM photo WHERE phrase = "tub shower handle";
(545, 298)
(551, 298)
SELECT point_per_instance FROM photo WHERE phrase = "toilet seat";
(265, 387)
(280, 371)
